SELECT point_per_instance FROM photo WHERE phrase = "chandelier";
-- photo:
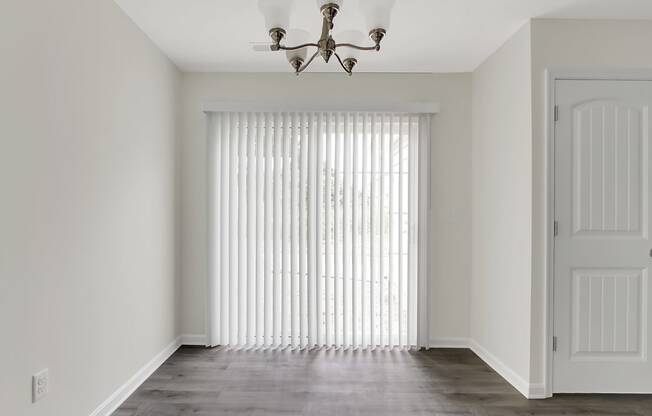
(326, 46)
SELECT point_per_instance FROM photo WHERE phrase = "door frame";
(551, 78)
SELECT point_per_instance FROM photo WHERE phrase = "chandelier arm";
(342, 64)
(361, 48)
(294, 48)
(304, 66)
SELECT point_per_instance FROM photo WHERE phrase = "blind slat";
(355, 301)
(268, 272)
(346, 234)
(400, 231)
(390, 271)
(337, 255)
(303, 243)
(328, 219)
(260, 233)
(312, 231)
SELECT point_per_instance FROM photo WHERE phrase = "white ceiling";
(424, 35)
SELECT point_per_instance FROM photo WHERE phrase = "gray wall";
(87, 185)
(501, 208)
(451, 135)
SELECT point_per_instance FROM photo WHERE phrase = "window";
(315, 221)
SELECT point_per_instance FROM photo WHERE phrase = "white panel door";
(602, 248)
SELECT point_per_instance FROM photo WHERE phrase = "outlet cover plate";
(40, 385)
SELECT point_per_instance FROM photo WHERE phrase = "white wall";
(450, 178)
(87, 188)
(581, 45)
(501, 208)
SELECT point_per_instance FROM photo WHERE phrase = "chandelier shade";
(322, 3)
(352, 37)
(297, 36)
(276, 12)
(377, 12)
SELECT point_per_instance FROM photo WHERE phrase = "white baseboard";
(123, 392)
(530, 391)
(193, 339)
(449, 343)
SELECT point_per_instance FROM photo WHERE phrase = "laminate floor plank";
(442, 382)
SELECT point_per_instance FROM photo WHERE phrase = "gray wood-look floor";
(200, 382)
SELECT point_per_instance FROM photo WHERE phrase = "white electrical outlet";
(40, 385)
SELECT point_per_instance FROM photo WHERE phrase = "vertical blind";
(318, 229)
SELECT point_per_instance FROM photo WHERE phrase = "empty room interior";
(330, 207)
